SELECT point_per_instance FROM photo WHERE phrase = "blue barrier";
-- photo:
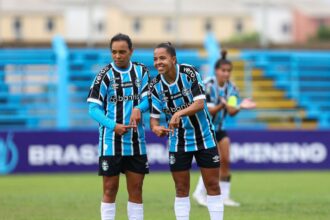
(304, 75)
(47, 88)
(77, 151)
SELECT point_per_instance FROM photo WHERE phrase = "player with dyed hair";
(117, 97)
(178, 91)
(222, 99)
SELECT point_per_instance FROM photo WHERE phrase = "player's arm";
(160, 131)
(155, 112)
(214, 109)
(97, 113)
(196, 106)
(233, 107)
(143, 106)
(211, 98)
(197, 90)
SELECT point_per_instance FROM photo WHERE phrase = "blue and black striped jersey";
(195, 132)
(214, 93)
(118, 91)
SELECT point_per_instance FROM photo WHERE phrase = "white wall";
(275, 18)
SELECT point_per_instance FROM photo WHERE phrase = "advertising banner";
(77, 151)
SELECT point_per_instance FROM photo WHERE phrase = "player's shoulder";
(144, 67)
(210, 80)
(154, 81)
(232, 85)
(102, 73)
(105, 69)
(187, 69)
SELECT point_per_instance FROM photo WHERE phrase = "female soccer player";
(179, 92)
(117, 97)
(222, 99)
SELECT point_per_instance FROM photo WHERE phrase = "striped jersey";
(118, 91)
(214, 93)
(195, 132)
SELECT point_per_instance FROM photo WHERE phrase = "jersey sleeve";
(197, 88)
(97, 113)
(210, 94)
(156, 104)
(144, 104)
(98, 90)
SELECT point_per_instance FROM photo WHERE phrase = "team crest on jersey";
(105, 165)
(185, 92)
(172, 159)
(165, 98)
(216, 159)
(137, 83)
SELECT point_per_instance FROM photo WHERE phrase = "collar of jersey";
(120, 69)
(176, 79)
(223, 87)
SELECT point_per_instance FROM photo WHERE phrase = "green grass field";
(263, 195)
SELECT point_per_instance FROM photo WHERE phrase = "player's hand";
(174, 122)
(135, 117)
(121, 129)
(247, 104)
(223, 101)
(161, 131)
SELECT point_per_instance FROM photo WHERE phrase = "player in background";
(117, 97)
(178, 91)
(222, 99)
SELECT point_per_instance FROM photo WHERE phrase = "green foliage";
(323, 33)
(263, 195)
(245, 38)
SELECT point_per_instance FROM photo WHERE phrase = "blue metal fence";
(303, 75)
(47, 88)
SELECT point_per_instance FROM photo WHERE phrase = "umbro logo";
(216, 159)
(105, 165)
(172, 159)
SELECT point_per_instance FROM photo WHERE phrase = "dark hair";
(223, 60)
(121, 37)
(169, 48)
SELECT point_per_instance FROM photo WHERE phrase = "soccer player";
(222, 99)
(117, 97)
(179, 92)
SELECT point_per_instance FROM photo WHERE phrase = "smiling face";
(223, 73)
(121, 54)
(164, 62)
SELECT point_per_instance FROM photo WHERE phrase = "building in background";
(148, 22)
(151, 21)
(308, 19)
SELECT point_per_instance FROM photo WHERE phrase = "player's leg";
(200, 192)
(180, 163)
(208, 160)
(135, 169)
(109, 168)
(225, 175)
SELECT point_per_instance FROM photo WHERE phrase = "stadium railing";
(47, 88)
(303, 75)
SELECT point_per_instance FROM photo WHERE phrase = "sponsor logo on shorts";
(172, 159)
(147, 165)
(105, 165)
(216, 159)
